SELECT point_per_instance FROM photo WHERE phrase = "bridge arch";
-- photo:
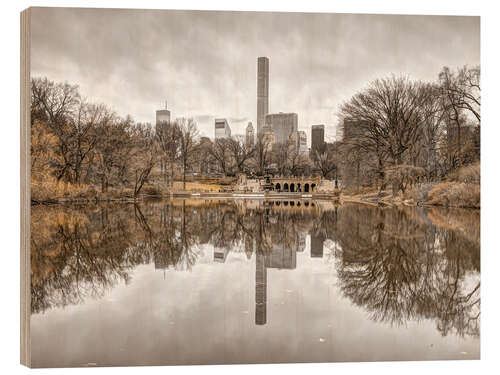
(313, 186)
(285, 186)
(278, 187)
(292, 187)
(306, 188)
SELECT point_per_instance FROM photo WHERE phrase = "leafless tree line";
(231, 156)
(395, 131)
(399, 129)
(79, 142)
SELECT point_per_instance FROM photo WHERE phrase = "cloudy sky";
(205, 63)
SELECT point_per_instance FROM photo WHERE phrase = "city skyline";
(317, 61)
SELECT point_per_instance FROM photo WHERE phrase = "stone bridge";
(284, 185)
(295, 184)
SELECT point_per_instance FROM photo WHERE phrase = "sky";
(204, 64)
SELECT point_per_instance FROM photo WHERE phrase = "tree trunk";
(172, 179)
(184, 177)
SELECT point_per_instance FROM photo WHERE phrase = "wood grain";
(25, 188)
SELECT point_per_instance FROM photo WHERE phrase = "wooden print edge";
(25, 342)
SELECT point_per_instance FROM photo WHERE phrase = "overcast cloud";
(204, 63)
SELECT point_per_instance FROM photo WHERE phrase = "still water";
(242, 281)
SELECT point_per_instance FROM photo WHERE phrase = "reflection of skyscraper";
(301, 242)
(317, 240)
(282, 257)
(262, 91)
(220, 254)
(260, 289)
(249, 246)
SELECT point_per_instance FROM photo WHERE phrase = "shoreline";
(193, 195)
(399, 202)
(367, 199)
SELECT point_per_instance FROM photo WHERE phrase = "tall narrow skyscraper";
(162, 117)
(262, 92)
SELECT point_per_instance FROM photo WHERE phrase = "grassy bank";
(50, 191)
(444, 194)
(460, 189)
(53, 191)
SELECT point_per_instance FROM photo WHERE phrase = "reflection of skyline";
(280, 254)
(396, 264)
(317, 241)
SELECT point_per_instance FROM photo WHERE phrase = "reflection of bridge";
(295, 184)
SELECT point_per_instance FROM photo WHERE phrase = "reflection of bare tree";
(397, 264)
(76, 255)
(400, 267)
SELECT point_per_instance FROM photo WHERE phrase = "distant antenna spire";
(166, 107)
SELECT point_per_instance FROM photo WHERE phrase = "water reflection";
(399, 265)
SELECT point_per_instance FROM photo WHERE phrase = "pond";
(188, 281)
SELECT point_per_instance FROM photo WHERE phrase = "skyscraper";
(162, 117)
(302, 142)
(318, 138)
(222, 129)
(353, 129)
(249, 135)
(283, 125)
(267, 138)
(262, 91)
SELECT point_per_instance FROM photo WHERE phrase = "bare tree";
(390, 118)
(280, 156)
(390, 115)
(220, 153)
(84, 135)
(461, 102)
(145, 155)
(326, 161)
(297, 162)
(168, 135)
(240, 153)
(113, 150)
(262, 154)
(462, 89)
(53, 102)
(55, 105)
(188, 145)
